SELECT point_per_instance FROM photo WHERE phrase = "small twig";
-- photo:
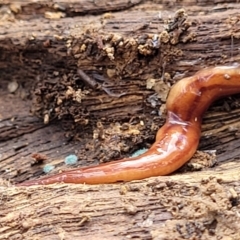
(88, 80)
(95, 85)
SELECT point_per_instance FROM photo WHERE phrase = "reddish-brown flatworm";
(176, 141)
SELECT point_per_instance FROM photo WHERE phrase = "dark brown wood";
(42, 44)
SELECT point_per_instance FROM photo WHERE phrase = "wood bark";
(42, 44)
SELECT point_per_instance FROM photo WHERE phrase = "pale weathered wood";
(190, 206)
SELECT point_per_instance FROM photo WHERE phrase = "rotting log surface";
(41, 52)
(189, 206)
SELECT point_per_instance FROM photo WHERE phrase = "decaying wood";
(189, 206)
(42, 44)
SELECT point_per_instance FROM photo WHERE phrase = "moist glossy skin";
(176, 141)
